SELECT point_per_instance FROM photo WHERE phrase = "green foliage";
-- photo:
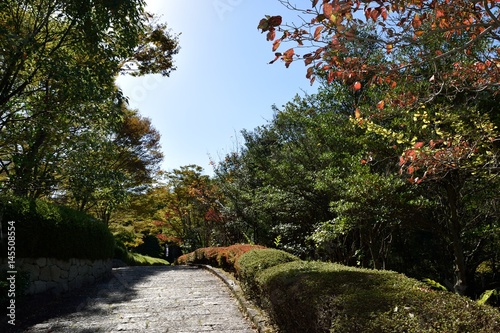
(322, 297)
(255, 261)
(135, 259)
(150, 247)
(488, 296)
(435, 285)
(48, 230)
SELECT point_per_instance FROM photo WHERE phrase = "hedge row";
(315, 297)
(223, 257)
(47, 230)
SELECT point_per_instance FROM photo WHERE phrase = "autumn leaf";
(384, 13)
(357, 114)
(357, 86)
(418, 145)
(276, 44)
(271, 35)
(317, 32)
(314, 3)
(288, 57)
(277, 56)
(275, 21)
(380, 105)
(263, 25)
(328, 10)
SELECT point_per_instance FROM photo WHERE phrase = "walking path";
(174, 299)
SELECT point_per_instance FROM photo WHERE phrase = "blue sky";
(223, 82)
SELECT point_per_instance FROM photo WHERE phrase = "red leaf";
(275, 21)
(380, 105)
(418, 145)
(357, 86)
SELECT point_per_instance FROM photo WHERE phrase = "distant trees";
(186, 210)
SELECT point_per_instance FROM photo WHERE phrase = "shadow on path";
(118, 288)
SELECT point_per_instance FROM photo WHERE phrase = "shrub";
(48, 230)
(255, 261)
(223, 257)
(323, 297)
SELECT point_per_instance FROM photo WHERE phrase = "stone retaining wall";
(49, 274)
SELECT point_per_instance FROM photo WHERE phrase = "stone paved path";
(148, 299)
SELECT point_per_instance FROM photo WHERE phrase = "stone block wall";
(55, 275)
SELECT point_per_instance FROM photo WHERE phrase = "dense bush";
(255, 261)
(47, 230)
(318, 297)
(223, 257)
(323, 297)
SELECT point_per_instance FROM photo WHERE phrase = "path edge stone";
(253, 313)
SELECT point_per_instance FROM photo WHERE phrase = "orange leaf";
(317, 32)
(276, 44)
(328, 10)
(271, 35)
(357, 86)
(418, 145)
(380, 105)
(357, 114)
(384, 14)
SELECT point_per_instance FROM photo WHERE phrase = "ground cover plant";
(312, 296)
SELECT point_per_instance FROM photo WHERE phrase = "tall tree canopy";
(65, 130)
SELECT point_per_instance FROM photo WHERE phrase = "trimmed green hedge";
(317, 297)
(324, 297)
(255, 261)
(48, 230)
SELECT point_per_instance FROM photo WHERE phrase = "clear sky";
(223, 82)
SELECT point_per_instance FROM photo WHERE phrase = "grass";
(136, 259)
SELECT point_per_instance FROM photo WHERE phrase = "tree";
(192, 208)
(335, 24)
(58, 63)
(428, 94)
(115, 165)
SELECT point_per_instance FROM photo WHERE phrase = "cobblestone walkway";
(147, 299)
